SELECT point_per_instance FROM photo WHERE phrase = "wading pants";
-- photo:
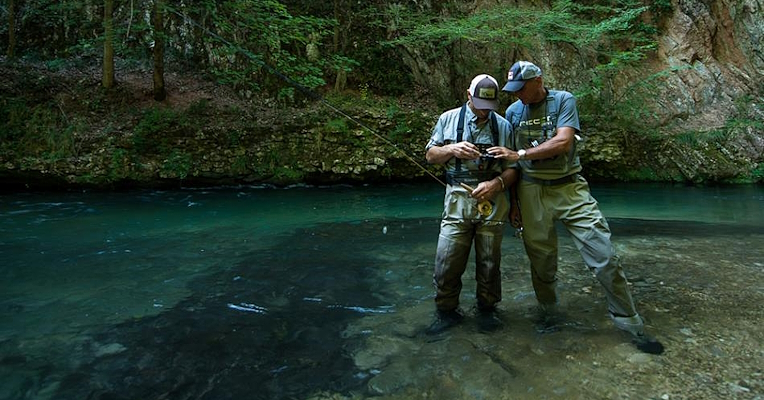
(573, 205)
(458, 230)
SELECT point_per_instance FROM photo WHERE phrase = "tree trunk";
(108, 44)
(341, 80)
(11, 30)
(160, 92)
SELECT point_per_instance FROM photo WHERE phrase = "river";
(323, 293)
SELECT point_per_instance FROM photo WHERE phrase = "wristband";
(502, 183)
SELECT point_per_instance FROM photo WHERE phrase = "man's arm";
(514, 208)
(441, 154)
(489, 189)
(560, 143)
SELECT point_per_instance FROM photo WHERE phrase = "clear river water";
(324, 293)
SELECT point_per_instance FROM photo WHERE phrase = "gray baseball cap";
(519, 73)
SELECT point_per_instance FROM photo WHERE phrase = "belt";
(551, 182)
(456, 179)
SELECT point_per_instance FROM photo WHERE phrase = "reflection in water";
(324, 294)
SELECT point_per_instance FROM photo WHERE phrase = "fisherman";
(546, 129)
(476, 205)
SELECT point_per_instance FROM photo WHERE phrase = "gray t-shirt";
(536, 123)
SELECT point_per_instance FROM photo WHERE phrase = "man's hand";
(441, 154)
(487, 190)
(560, 143)
(503, 153)
(464, 150)
(514, 216)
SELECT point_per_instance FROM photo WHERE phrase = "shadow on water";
(269, 327)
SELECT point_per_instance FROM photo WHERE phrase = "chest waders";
(464, 224)
(554, 191)
(551, 171)
(468, 179)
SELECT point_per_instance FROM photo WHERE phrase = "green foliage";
(285, 175)
(363, 90)
(118, 167)
(610, 32)
(484, 26)
(234, 138)
(742, 118)
(160, 130)
(57, 29)
(337, 125)
(738, 122)
(152, 129)
(694, 139)
(178, 165)
(41, 131)
(566, 21)
(629, 108)
(256, 46)
(642, 174)
(239, 165)
(262, 47)
(401, 129)
(198, 107)
(661, 7)
(758, 173)
(15, 114)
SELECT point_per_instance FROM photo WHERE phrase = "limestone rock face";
(701, 113)
(713, 47)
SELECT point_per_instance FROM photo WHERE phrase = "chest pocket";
(539, 126)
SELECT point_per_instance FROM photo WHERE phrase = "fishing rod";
(310, 93)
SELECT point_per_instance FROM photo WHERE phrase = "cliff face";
(714, 48)
(701, 118)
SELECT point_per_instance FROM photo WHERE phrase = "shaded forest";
(149, 92)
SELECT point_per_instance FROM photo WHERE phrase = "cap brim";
(483, 104)
(513, 86)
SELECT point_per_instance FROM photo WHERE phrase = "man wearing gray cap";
(545, 133)
(476, 205)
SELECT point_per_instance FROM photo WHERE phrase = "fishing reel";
(485, 208)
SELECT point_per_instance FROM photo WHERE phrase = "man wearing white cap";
(476, 205)
(545, 132)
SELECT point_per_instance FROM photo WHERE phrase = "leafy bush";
(15, 113)
(177, 165)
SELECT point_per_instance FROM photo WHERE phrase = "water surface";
(323, 293)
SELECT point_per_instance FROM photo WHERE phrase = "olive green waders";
(573, 205)
(461, 226)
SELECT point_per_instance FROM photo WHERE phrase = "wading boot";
(443, 321)
(548, 318)
(636, 327)
(488, 320)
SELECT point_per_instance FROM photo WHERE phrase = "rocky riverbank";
(63, 131)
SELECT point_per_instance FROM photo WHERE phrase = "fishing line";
(310, 93)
